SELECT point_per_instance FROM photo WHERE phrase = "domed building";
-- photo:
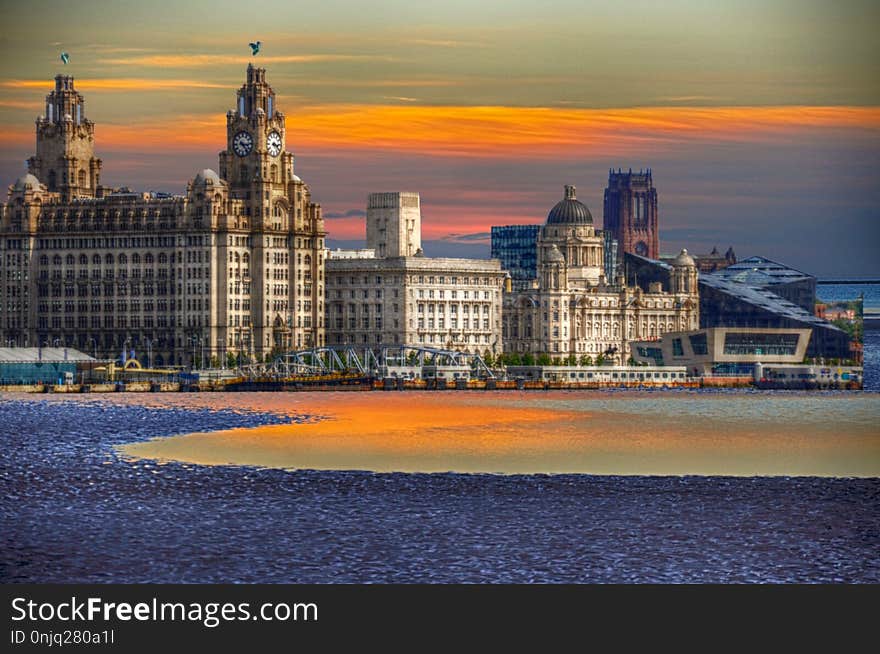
(573, 309)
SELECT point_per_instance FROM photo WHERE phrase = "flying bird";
(65, 58)
(255, 47)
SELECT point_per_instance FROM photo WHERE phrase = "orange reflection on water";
(539, 433)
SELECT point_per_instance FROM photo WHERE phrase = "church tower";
(630, 213)
(65, 161)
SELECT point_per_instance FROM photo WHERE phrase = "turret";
(684, 274)
(65, 160)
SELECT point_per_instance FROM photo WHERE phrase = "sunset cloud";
(199, 60)
(117, 84)
(513, 132)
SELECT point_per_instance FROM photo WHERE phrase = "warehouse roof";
(44, 354)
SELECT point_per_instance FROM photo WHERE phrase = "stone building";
(576, 310)
(407, 298)
(630, 213)
(394, 224)
(236, 265)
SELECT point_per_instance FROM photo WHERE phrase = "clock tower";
(255, 163)
(274, 225)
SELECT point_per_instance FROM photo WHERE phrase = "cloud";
(399, 98)
(200, 60)
(469, 238)
(473, 133)
(550, 133)
(445, 43)
(351, 213)
(118, 84)
(15, 104)
(689, 98)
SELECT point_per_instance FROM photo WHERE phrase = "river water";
(82, 504)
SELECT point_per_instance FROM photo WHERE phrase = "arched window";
(123, 260)
(82, 178)
(108, 259)
(307, 260)
(83, 259)
(56, 260)
(163, 258)
(44, 260)
(70, 260)
(273, 172)
(96, 259)
(135, 258)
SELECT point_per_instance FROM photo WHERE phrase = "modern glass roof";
(760, 271)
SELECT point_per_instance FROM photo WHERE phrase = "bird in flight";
(255, 47)
(65, 58)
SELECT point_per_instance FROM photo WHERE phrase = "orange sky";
(525, 132)
(759, 119)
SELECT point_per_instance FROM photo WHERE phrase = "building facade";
(724, 350)
(394, 224)
(749, 299)
(630, 213)
(575, 310)
(411, 299)
(515, 247)
(236, 265)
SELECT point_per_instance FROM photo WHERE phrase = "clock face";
(273, 143)
(242, 144)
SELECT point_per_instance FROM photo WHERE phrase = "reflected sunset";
(547, 432)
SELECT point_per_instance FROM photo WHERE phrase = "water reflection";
(624, 433)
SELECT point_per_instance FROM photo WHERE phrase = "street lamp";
(149, 353)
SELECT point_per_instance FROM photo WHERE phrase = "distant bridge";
(336, 359)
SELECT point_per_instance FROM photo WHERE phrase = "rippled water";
(75, 512)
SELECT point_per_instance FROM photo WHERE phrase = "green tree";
(600, 360)
(544, 359)
(571, 360)
(231, 361)
(528, 359)
(853, 328)
(215, 362)
(586, 360)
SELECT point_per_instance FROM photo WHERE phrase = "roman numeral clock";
(243, 143)
(273, 143)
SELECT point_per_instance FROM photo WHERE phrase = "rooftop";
(763, 298)
(760, 271)
(45, 354)
(754, 293)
